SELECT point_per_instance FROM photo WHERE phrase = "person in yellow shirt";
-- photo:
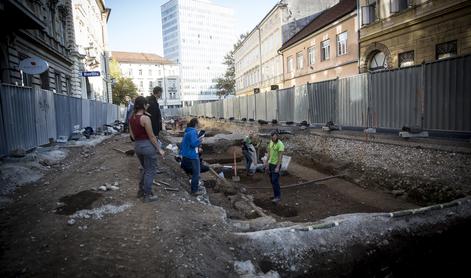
(273, 164)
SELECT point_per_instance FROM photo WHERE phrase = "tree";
(226, 83)
(123, 87)
(115, 70)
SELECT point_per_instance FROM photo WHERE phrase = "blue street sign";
(90, 73)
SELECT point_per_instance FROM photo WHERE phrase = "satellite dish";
(33, 65)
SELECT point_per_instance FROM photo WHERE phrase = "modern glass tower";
(197, 34)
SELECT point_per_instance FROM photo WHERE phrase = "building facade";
(400, 33)
(326, 48)
(197, 34)
(42, 29)
(258, 65)
(149, 70)
(91, 37)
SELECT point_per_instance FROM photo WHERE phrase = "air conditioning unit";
(274, 87)
(256, 90)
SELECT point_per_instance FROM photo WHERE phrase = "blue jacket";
(190, 143)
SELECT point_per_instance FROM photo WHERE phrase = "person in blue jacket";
(189, 151)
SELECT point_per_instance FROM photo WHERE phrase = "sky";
(136, 26)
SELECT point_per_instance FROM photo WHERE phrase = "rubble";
(100, 212)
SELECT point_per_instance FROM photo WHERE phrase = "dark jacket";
(156, 117)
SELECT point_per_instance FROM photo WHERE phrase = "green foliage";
(115, 70)
(226, 83)
(123, 87)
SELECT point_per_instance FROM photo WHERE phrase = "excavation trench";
(307, 202)
(333, 227)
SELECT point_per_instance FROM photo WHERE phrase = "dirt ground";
(177, 236)
(174, 237)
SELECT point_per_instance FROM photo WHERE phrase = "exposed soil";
(173, 237)
(177, 236)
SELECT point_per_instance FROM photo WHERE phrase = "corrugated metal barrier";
(29, 117)
(353, 100)
(448, 95)
(286, 105)
(323, 101)
(260, 106)
(435, 96)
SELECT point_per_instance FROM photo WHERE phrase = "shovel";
(235, 177)
(128, 152)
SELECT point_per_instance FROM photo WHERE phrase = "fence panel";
(86, 113)
(243, 107)
(225, 104)
(251, 107)
(18, 118)
(301, 104)
(272, 105)
(353, 100)
(286, 104)
(261, 106)
(230, 108)
(323, 101)
(448, 95)
(393, 97)
(236, 107)
(45, 116)
(75, 108)
(63, 121)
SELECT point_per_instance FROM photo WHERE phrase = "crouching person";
(146, 147)
(190, 157)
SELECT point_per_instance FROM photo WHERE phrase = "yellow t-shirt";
(275, 149)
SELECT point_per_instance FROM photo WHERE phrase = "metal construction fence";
(29, 117)
(434, 96)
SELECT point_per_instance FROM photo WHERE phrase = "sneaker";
(159, 172)
(198, 193)
(276, 200)
(149, 198)
(140, 193)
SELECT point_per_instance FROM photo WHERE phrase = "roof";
(139, 57)
(343, 8)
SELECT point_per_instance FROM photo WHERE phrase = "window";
(342, 44)
(140, 72)
(141, 84)
(368, 13)
(150, 72)
(130, 72)
(299, 60)
(398, 5)
(311, 53)
(44, 77)
(378, 61)
(446, 50)
(150, 85)
(26, 79)
(159, 83)
(290, 64)
(325, 51)
(406, 59)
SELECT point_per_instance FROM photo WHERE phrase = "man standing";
(273, 164)
(129, 109)
(154, 110)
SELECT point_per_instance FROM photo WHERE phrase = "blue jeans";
(248, 160)
(192, 166)
(147, 156)
(275, 180)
